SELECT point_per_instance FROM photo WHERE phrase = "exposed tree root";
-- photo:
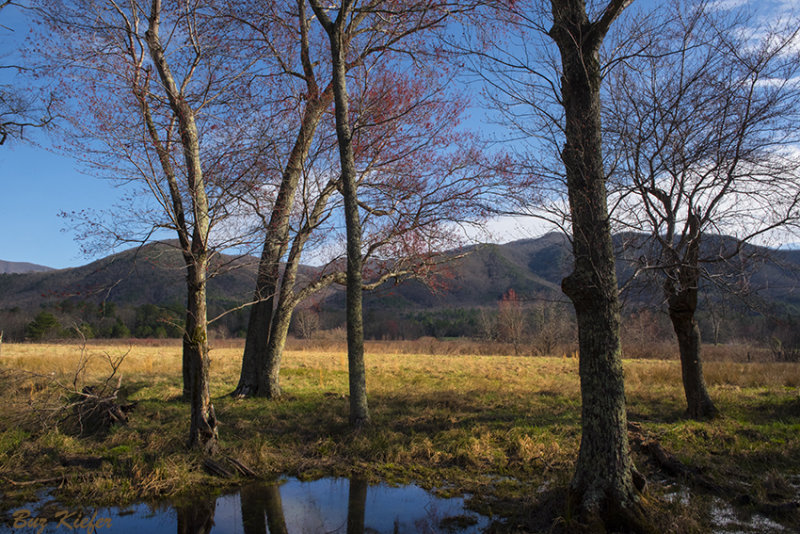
(672, 466)
(623, 514)
(244, 391)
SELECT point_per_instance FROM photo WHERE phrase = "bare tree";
(511, 320)
(552, 327)
(550, 97)
(400, 202)
(603, 486)
(702, 129)
(153, 104)
(385, 27)
(337, 30)
(306, 322)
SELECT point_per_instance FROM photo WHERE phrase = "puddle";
(327, 505)
(727, 521)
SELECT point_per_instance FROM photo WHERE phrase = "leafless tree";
(511, 320)
(153, 90)
(703, 132)
(551, 98)
(402, 205)
(390, 28)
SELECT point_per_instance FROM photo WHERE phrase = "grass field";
(504, 429)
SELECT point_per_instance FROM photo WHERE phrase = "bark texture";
(203, 423)
(260, 369)
(681, 289)
(263, 346)
(602, 491)
(359, 410)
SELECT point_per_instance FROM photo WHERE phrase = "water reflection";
(262, 510)
(338, 506)
(197, 518)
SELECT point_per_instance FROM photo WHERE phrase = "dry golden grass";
(493, 425)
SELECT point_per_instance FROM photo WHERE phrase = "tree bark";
(602, 491)
(681, 289)
(359, 410)
(203, 422)
(260, 371)
(203, 425)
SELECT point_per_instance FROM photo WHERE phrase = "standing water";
(322, 506)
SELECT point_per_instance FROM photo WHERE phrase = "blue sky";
(38, 184)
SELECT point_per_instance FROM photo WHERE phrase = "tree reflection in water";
(198, 517)
(333, 506)
(262, 509)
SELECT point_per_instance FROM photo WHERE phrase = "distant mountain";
(534, 268)
(477, 276)
(17, 267)
(481, 274)
(152, 274)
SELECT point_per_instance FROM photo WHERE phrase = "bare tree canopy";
(703, 142)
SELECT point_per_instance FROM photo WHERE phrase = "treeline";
(72, 318)
(531, 327)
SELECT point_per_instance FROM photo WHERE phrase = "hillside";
(17, 267)
(152, 276)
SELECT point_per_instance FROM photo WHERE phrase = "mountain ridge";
(152, 275)
(22, 267)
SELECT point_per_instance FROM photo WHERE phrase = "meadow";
(503, 429)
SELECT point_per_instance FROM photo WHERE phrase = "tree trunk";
(359, 411)
(681, 288)
(203, 425)
(262, 510)
(698, 402)
(253, 507)
(197, 518)
(260, 372)
(602, 491)
(203, 422)
(255, 359)
(281, 321)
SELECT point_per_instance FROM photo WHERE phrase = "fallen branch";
(674, 467)
(667, 461)
(241, 468)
